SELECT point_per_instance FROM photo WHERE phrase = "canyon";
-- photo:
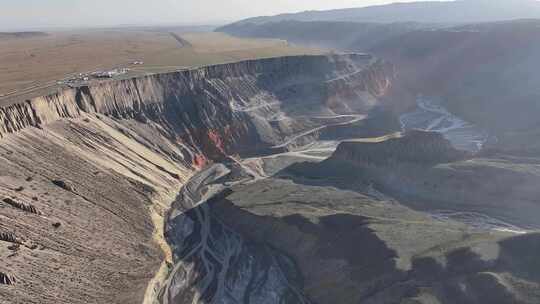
(88, 173)
(278, 180)
(484, 73)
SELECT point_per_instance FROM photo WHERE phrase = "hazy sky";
(21, 14)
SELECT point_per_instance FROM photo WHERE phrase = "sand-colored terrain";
(33, 64)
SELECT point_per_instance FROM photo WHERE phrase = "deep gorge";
(280, 180)
(122, 150)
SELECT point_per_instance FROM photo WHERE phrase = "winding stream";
(214, 264)
(431, 116)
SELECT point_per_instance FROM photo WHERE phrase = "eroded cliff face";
(195, 105)
(86, 174)
(417, 147)
(424, 170)
(317, 237)
(485, 73)
(156, 94)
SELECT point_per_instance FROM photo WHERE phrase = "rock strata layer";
(87, 173)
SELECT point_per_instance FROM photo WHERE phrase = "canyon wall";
(152, 95)
(486, 74)
(187, 102)
(422, 148)
(425, 171)
(87, 173)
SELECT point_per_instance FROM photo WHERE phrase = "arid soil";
(35, 62)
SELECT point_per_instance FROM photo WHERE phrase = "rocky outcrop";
(64, 185)
(21, 205)
(417, 147)
(8, 237)
(424, 170)
(369, 84)
(7, 279)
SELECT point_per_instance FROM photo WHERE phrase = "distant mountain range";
(361, 29)
(358, 36)
(461, 11)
